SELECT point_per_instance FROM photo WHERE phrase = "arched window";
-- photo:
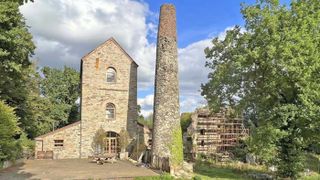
(111, 75)
(110, 111)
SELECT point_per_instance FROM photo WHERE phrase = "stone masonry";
(166, 99)
(96, 93)
(71, 142)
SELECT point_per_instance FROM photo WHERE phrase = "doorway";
(112, 143)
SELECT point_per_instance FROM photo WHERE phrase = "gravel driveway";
(73, 169)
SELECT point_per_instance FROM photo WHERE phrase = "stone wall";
(214, 133)
(166, 100)
(96, 93)
(71, 142)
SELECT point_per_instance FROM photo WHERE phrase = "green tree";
(16, 48)
(62, 89)
(10, 148)
(147, 121)
(185, 121)
(271, 72)
(37, 119)
(140, 116)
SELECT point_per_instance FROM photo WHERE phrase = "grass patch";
(161, 177)
(239, 171)
(313, 162)
(226, 170)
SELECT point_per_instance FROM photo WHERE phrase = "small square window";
(58, 143)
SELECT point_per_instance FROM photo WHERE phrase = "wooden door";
(112, 146)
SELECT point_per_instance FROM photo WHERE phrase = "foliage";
(50, 102)
(140, 116)
(270, 71)
(164, 176)
(36, 119)
(176, 148)
(16, 47)
(240, 151)
(231, 170)
(147, 121)
(99, 141)
(10, 148)
(262, 146)
(28, 146)
(185, 121)
(62, 89)
(312, 162)
(124, 139)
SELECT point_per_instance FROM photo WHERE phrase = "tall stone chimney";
(166, 140)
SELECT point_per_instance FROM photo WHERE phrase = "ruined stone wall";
(214, 133)
(96, 92)
(166, 100)
(71, 142)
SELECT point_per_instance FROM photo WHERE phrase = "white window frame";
(115, 75)
(113, 108)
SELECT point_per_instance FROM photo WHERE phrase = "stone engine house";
(108, 101)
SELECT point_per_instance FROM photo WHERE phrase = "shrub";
(99, 141)
(10, 148)
(123, 139)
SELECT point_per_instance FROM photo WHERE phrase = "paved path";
(73, 169)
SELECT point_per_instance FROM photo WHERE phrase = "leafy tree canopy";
(16, 48)
(270, 70)
(9, 146)
(62, 89)
(185, 121)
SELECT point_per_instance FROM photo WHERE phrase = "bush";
(99, 141)
(240, 151)
(124, 139)
(196, 178)
(10, 148)
(27, 146)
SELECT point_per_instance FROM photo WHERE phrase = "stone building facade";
(108, 101)
(64, 143)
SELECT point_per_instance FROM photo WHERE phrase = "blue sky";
(65, 30)
(198, 20)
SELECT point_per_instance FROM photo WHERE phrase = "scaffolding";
(216, 133)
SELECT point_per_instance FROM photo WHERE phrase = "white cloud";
(146, 102)
(192, 73)
(146, 112)
(65, 30)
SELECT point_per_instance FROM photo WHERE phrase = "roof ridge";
(116, 43)
(57, 130)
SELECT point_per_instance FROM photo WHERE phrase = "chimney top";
(167, 25)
